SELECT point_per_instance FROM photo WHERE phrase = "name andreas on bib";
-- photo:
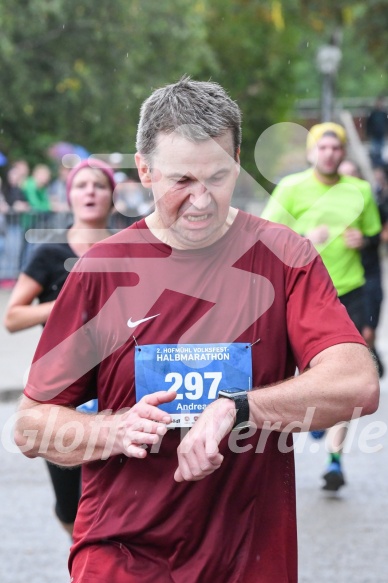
(197, 372)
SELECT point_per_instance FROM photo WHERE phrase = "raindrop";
(308, 44)
(289, 61)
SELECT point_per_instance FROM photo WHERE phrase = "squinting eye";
(215, 179)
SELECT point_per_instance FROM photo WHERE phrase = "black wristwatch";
(240, 399)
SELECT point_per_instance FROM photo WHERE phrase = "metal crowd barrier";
(15, 250)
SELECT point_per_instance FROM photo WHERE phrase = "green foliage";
(252, 52)
(78, 71)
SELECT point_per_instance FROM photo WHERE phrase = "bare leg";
(336, 437)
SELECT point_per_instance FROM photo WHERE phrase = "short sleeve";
(316, 319)
(65, 361)
(38, 268)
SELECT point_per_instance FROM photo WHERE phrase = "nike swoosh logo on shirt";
(131, 324)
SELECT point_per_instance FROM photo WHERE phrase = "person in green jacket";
(338, 214)
(35, 188)
(36, 194)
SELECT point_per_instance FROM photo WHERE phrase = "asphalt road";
(342, 538)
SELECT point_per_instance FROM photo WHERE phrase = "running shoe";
(333, 477)
(318, 434)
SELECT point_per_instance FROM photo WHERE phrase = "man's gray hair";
(197, 110)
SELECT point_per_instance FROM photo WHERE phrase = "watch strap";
(241, 403)
(242, 411)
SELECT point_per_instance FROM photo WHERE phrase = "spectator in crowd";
(35, 188)
(376, 129)
(14, 195)
(57, 191)
(14, 205)
(130, 198)
(3, 230)
(23, 169)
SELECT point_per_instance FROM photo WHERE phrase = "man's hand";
(353, 238)
(198, 453)
(142, 425)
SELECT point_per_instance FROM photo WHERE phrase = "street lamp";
(328, 60)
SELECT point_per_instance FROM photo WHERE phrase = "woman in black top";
(89, 190)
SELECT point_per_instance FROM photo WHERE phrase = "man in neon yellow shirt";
(338, 214)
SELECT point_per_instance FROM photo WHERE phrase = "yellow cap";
(317, 131)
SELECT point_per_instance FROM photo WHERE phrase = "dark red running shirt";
(261, 284)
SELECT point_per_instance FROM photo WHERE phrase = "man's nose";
(199, 195)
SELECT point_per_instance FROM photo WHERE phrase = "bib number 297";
(193, 385)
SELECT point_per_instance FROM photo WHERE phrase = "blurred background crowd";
(74, 74)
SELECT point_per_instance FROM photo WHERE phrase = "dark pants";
(354, 303)
(67, 488)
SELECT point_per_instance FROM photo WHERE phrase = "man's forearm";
(65, 436)
(329, 392)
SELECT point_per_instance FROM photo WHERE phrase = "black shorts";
(354, 303)
(67, 488)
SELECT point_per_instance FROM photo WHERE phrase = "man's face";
(328, 155)
(192, 184)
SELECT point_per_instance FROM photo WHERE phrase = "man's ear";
(238, 166)
(143, 170)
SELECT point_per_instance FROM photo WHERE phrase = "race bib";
(195, 371)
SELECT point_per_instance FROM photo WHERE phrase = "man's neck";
(330, 179)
